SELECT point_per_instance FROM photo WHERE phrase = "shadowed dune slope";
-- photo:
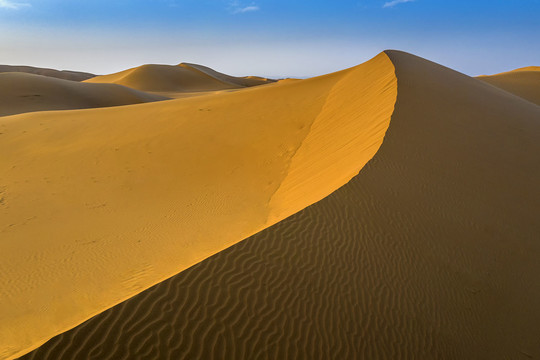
(180, 78)
(524, 82)
(431, 252)
(21, 93)
(101, 204)
(60, 74)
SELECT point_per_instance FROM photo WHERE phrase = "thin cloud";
(393, 3)
(237, 8)
(247, 9)
(7, 4)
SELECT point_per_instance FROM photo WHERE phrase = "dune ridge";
(523, 82)
(60, 74)
(245, 81)
(195, 175)
(321, 159)
(22, 92)
(430, 252)
(181, 78)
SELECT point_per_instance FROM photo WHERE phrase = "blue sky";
(268, 37)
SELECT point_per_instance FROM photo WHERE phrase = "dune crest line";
(357, 111)
(524, 82)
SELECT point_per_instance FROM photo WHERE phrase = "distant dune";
(524, 82)
(430, 251)
(245, 81)
(182, 78)
(60, 74)
(22, 92)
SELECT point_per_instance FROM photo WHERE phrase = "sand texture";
(23, 92)
(98, 205)
(430, 252)
(60, 74)
(524, 82)
(180, 78)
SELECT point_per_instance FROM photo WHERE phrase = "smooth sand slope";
(524, 82)
(60, 74)
(98, 205)
(180, 78)
(431, 252)
(21, 93)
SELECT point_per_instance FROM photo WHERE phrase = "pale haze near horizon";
(256, 41)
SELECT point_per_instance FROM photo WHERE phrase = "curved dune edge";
(430, 252)
(524, 82)
(245, 81)
(59, 74)
(134, 203)
(353, 114)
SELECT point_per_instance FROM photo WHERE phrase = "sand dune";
(60, 74)
(430, 252)
(181, 78)
(98, 205)
(21, 93)
(524, 82)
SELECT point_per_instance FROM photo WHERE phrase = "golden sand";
(524, 82)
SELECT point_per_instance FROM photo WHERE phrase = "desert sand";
(60, 74)
(23, 92)
(428, 251)
(524, 82)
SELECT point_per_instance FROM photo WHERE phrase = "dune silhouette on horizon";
(523, 82)
(24, 92)
(388, 210)
(184, 77)
(60, 74)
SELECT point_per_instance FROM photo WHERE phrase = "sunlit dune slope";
(60, 74)
(22, 92)
(180, 78)
(430, 252)
(98, 205)
(524, 82)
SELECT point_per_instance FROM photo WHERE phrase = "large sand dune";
(524, 82)
(22, 92)
(181, 78)
(431, 252)
(98, 205)
(60, 74)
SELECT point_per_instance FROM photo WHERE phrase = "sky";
(276, 38)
